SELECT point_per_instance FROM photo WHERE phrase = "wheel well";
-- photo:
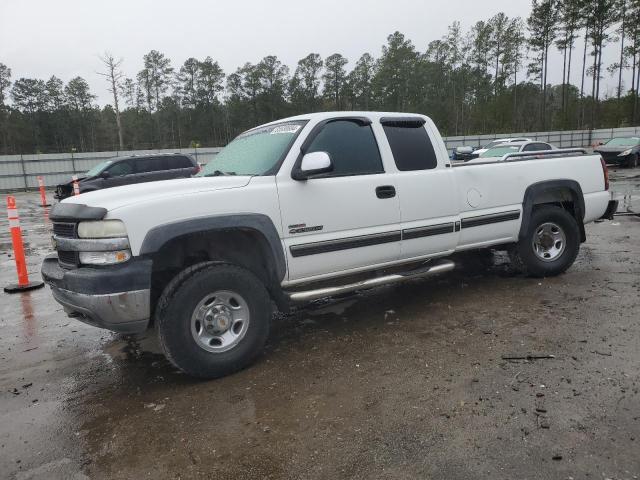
(246, 248)
(563, 197)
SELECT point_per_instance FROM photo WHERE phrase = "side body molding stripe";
(490, 218)
(327, 246)
(344, 243)
(428, 230)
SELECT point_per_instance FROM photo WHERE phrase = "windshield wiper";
(217, 173)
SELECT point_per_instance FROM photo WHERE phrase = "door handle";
(385, 191)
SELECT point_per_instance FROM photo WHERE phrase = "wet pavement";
(399, 382)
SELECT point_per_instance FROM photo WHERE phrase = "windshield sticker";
(291, 128)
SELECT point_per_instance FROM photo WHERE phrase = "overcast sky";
(40, 38)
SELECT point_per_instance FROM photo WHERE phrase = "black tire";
(524, 254)
(633, 161)
(178, 302)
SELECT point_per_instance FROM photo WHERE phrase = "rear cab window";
(410, 144)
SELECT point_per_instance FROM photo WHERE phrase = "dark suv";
(135, 169)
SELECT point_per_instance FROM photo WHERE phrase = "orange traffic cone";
(18, 252)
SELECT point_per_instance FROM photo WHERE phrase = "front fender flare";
(158, 236)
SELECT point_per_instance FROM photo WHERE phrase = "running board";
(307, 295)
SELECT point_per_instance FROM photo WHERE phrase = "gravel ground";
(409, 381)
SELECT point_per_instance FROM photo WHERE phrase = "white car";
(497, 152)
(300, 209)
(499, 141)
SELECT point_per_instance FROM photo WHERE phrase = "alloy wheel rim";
(549, 241)
(220, 321)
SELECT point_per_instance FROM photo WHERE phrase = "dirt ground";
(400, 382)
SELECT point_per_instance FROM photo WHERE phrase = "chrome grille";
(68, 259)
(67, 230)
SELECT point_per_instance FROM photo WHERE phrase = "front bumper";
(614, 158)
(116, 298)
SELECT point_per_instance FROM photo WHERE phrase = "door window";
(536, 147)
(351, 146)
(411, 146)
(178, 162)
(119, 169)
(150, 164)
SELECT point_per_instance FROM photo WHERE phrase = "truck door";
(347, 219)
(426, 187)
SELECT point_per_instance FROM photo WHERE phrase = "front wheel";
(213, 319)
(632, 162)
(551, 243)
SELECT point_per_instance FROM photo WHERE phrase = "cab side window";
(119, 169)
(352, 147)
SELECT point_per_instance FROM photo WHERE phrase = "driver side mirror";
(105, 174)
(313, 163)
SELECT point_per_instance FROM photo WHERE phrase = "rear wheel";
(213, 319)
(551, 244)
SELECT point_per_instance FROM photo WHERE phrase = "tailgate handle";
(385, 191)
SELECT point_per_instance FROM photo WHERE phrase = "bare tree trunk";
(568, 79)
(113, 76)
(584, 64)
(515, 97)
(635, 103)
(598, 77)
(633, 76)
(593, 84)
(621, 54)
(564, 76)
(544, 90)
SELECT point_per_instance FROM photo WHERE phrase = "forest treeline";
(489, 79)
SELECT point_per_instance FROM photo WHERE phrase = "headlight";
(102, 229)
(625, 153)
(104, 258)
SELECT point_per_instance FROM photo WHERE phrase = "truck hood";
(117, 197)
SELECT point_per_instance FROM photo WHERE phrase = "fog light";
(104, 258)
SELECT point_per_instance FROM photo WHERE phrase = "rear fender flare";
(536, 189)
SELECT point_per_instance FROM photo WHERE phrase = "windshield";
(623, 142)
(254, 152)
(493, 143)
(98, 168)
(500, 151)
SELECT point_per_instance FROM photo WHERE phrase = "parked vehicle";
(499, 141)
(300, 209)
(624, 151)
(118, 171)
(462, 154)
(497, 152)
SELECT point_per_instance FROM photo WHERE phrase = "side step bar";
(307, 295)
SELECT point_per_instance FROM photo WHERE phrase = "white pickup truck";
(304, 208)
